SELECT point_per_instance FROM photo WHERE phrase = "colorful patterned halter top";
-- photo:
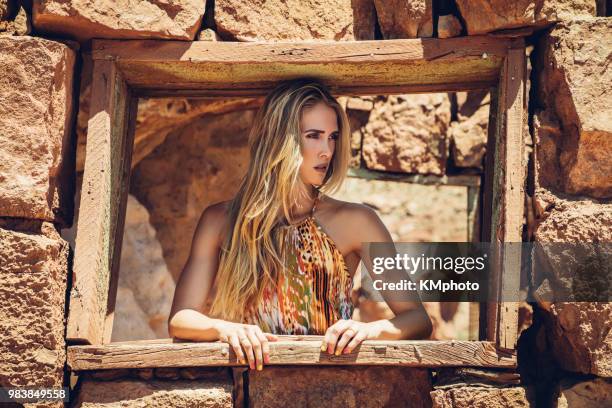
(315, 290)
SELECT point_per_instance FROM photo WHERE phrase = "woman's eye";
(334, 136)
(313, 135)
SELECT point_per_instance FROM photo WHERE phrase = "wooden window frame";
(123, 71)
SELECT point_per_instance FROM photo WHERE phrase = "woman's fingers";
(265, 347)
(357, 339)
(346, 336)
(257, 351)
(248, 349)
(333, 333)
(271, 337)
(235, 344)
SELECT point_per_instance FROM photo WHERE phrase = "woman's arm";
(194, 284)
(411, 320)
(186, 320)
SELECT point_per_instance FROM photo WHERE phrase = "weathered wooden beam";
(507, 202)
(474, 321)
(414, 353)
(349, 67)
(102, 206)
(470, 180)
(262, 89)
(473, 213)
(129, 112)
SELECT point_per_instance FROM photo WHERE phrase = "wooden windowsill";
(290, 350)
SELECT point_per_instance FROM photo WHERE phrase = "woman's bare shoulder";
(353, 223)
(348, 208)
(350, 212)
(213, 220)
(218, 210)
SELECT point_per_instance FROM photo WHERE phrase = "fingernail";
(259, 367)
(346, 351)
(323, 347)
(337, 352)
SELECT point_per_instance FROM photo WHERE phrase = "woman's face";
(319, 127)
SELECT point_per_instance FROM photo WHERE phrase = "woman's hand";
(251, 338)
(345, 335)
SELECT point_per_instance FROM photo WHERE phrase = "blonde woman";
(282, 253)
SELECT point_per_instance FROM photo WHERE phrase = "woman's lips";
(322, 169)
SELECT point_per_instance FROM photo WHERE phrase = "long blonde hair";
(252, 252)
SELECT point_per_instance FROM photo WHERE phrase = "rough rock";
(143, 272)
(108, 375)
(582, 331)
(405, 18)
(213, 156)
(468, 134)
(437, 216)
(548, 141)
(581, 335)
(279, 20)
(407, 133)
(83, 113)
(565, 219)
(595, 393)
(364, 19)
(481, 397)
(573, 131)
(33, 270)
(208, 34)
(525, 318)
(449, 26)
(360, 103)
(6, 8)
(339, 386)
(156, 118)
(483, 16)
(455, 377)
(358, 112)
(144, 373)
(154, 393)
(35, 122)
(212, 373)
(86, 19)
(161, 116)
(573, 250)
(21, 24)
(130, 322)
(167, 373)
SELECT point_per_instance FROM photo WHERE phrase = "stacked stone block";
(36, 115)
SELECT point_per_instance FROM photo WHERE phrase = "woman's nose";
(325, 151)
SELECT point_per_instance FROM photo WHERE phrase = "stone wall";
(278, 386)
(564, 357)
(36, 187)
(572, 133)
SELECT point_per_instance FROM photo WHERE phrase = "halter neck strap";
(316, 201)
